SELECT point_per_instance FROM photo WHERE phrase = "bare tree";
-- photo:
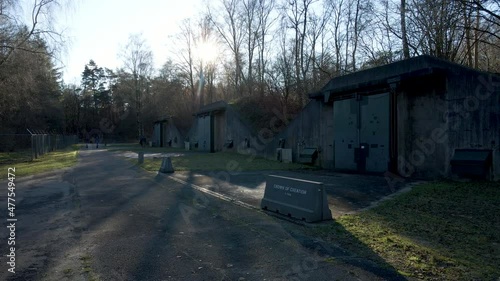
(14, 34)
(296, 14)
(206, 45)
(266, 21)
(435, 27)
(337, 8)
(404, 35)
(186, 60)
(360, 21)
(317, 44)
(482, 27)
(138, 61)
(281, 76)
(229, 25)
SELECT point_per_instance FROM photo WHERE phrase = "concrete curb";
(408, 187)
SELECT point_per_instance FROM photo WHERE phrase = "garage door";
(204, 133)
(345, 132)
(361, 133)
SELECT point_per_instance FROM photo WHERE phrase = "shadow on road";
(132, 225)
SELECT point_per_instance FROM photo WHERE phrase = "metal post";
(140, 157)
(37, 146)
(33, 156)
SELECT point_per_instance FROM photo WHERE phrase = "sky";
(99, 30)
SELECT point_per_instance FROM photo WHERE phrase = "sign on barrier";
(301, 199)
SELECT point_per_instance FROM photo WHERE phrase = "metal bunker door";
(345, 121)
(361, 133)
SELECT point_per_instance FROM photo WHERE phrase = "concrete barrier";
(166, 166)
(301, 199)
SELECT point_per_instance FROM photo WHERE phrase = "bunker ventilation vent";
(471, 163)
(308, 155)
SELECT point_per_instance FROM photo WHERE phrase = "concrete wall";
(219, 130)
(312, 127)
(202, 134)
(326, 136)
(156, 134)
(236, 129)
(171, 133)
(422, 150)
(473, 115)
(447, 112)
(227, 125)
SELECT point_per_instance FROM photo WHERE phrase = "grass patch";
(203, 161)
(437, 231)
(86, 262)
(48, 162)
(68, 272)
(221, 161)
(15, 157)
(135, 147)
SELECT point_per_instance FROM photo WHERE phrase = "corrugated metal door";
(345, 120)
(157, 136)
(204, 137)
(374, 131)
(219, 130)
(366, 149)
(164, 134)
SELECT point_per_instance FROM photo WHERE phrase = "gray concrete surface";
(105, 219)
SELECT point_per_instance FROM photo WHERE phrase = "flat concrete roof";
(385, 75)
(215, 106)
(163, 119)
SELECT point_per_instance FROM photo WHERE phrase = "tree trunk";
(406, 50)
(476, 39)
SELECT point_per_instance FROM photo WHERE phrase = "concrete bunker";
(407, 118)
(218, 127)
(166, 134)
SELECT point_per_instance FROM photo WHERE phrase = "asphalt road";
(105, 219)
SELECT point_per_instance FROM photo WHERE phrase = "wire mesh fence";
(30, 146)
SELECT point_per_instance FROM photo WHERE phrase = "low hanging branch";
(17, 39)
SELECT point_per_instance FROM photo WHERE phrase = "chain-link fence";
(33, 144)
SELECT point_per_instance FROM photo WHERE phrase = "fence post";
(35, 138)
(33, 156)
(39, 148)
(37, 145)
(41, 144)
